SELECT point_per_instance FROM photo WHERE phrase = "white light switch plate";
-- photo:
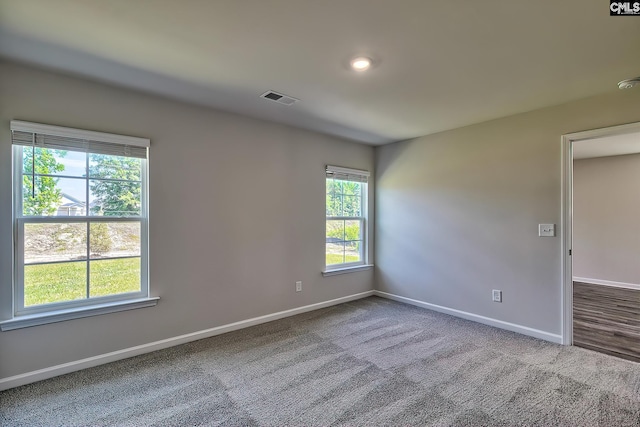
(546, 230)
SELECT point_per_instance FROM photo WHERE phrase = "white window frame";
(356, 175)
(57, 311)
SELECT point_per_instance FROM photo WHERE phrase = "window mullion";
(362, 240)
(19, 266)
(144, 227)
(17, 176)
(344, 236)
(86, 212)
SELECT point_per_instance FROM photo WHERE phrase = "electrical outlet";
(497, 295)
(299, 286)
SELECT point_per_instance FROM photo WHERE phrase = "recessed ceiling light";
(629, 83)
(361, 63)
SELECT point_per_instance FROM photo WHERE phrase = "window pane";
(53, 196)
(114, 167)
(335, 231)
(334, 197)
(334, 204)
(352, 251)
(351, 206)
(352, 230)
(351, 188)
(114, 276)
(334, 186)
(335, 253)
(47, 283)
(115, 239)
(55, 242)
(54, 162)
(115, 198)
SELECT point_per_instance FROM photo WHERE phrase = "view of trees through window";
(43, 196)
(82, 225)
(345, 221)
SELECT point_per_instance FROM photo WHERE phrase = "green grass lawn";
(337, 258)
(47, 283)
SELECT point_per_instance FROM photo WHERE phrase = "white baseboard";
(607, 283)
(65, 368)
(547, 336)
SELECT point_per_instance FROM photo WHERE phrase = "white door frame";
(567, 216)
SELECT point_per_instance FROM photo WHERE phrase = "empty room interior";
(165, 167)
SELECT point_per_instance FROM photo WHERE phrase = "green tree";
(45, 198)
(100, 240)
(334, 197)
(344, 198)
(117, 189)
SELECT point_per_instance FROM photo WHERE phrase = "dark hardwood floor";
(607, 319)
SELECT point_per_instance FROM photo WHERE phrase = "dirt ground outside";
(68, 241)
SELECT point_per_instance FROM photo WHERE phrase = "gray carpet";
(369, 362)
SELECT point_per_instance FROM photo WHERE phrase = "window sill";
(29, 320)
(345, 270)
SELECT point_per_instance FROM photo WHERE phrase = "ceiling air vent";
(279, 98)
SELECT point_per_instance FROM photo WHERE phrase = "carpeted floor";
(369, 362)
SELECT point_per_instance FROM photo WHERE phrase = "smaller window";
(346, 217)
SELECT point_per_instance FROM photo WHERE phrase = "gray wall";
(457, 212)
(606, 212)
(210, 264)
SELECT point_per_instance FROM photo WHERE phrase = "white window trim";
(344, 270)
(56, 312)
(54, 316)
(363, 264)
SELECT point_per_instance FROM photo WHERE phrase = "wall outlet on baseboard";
(299, 286)
(496, 295)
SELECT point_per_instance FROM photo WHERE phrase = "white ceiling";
(614, 145)
(440, 64)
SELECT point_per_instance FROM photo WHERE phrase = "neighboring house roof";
(72, 202)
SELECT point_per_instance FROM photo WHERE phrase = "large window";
(80, 218)
(346, 211)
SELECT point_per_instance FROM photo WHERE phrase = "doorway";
(601, 277)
